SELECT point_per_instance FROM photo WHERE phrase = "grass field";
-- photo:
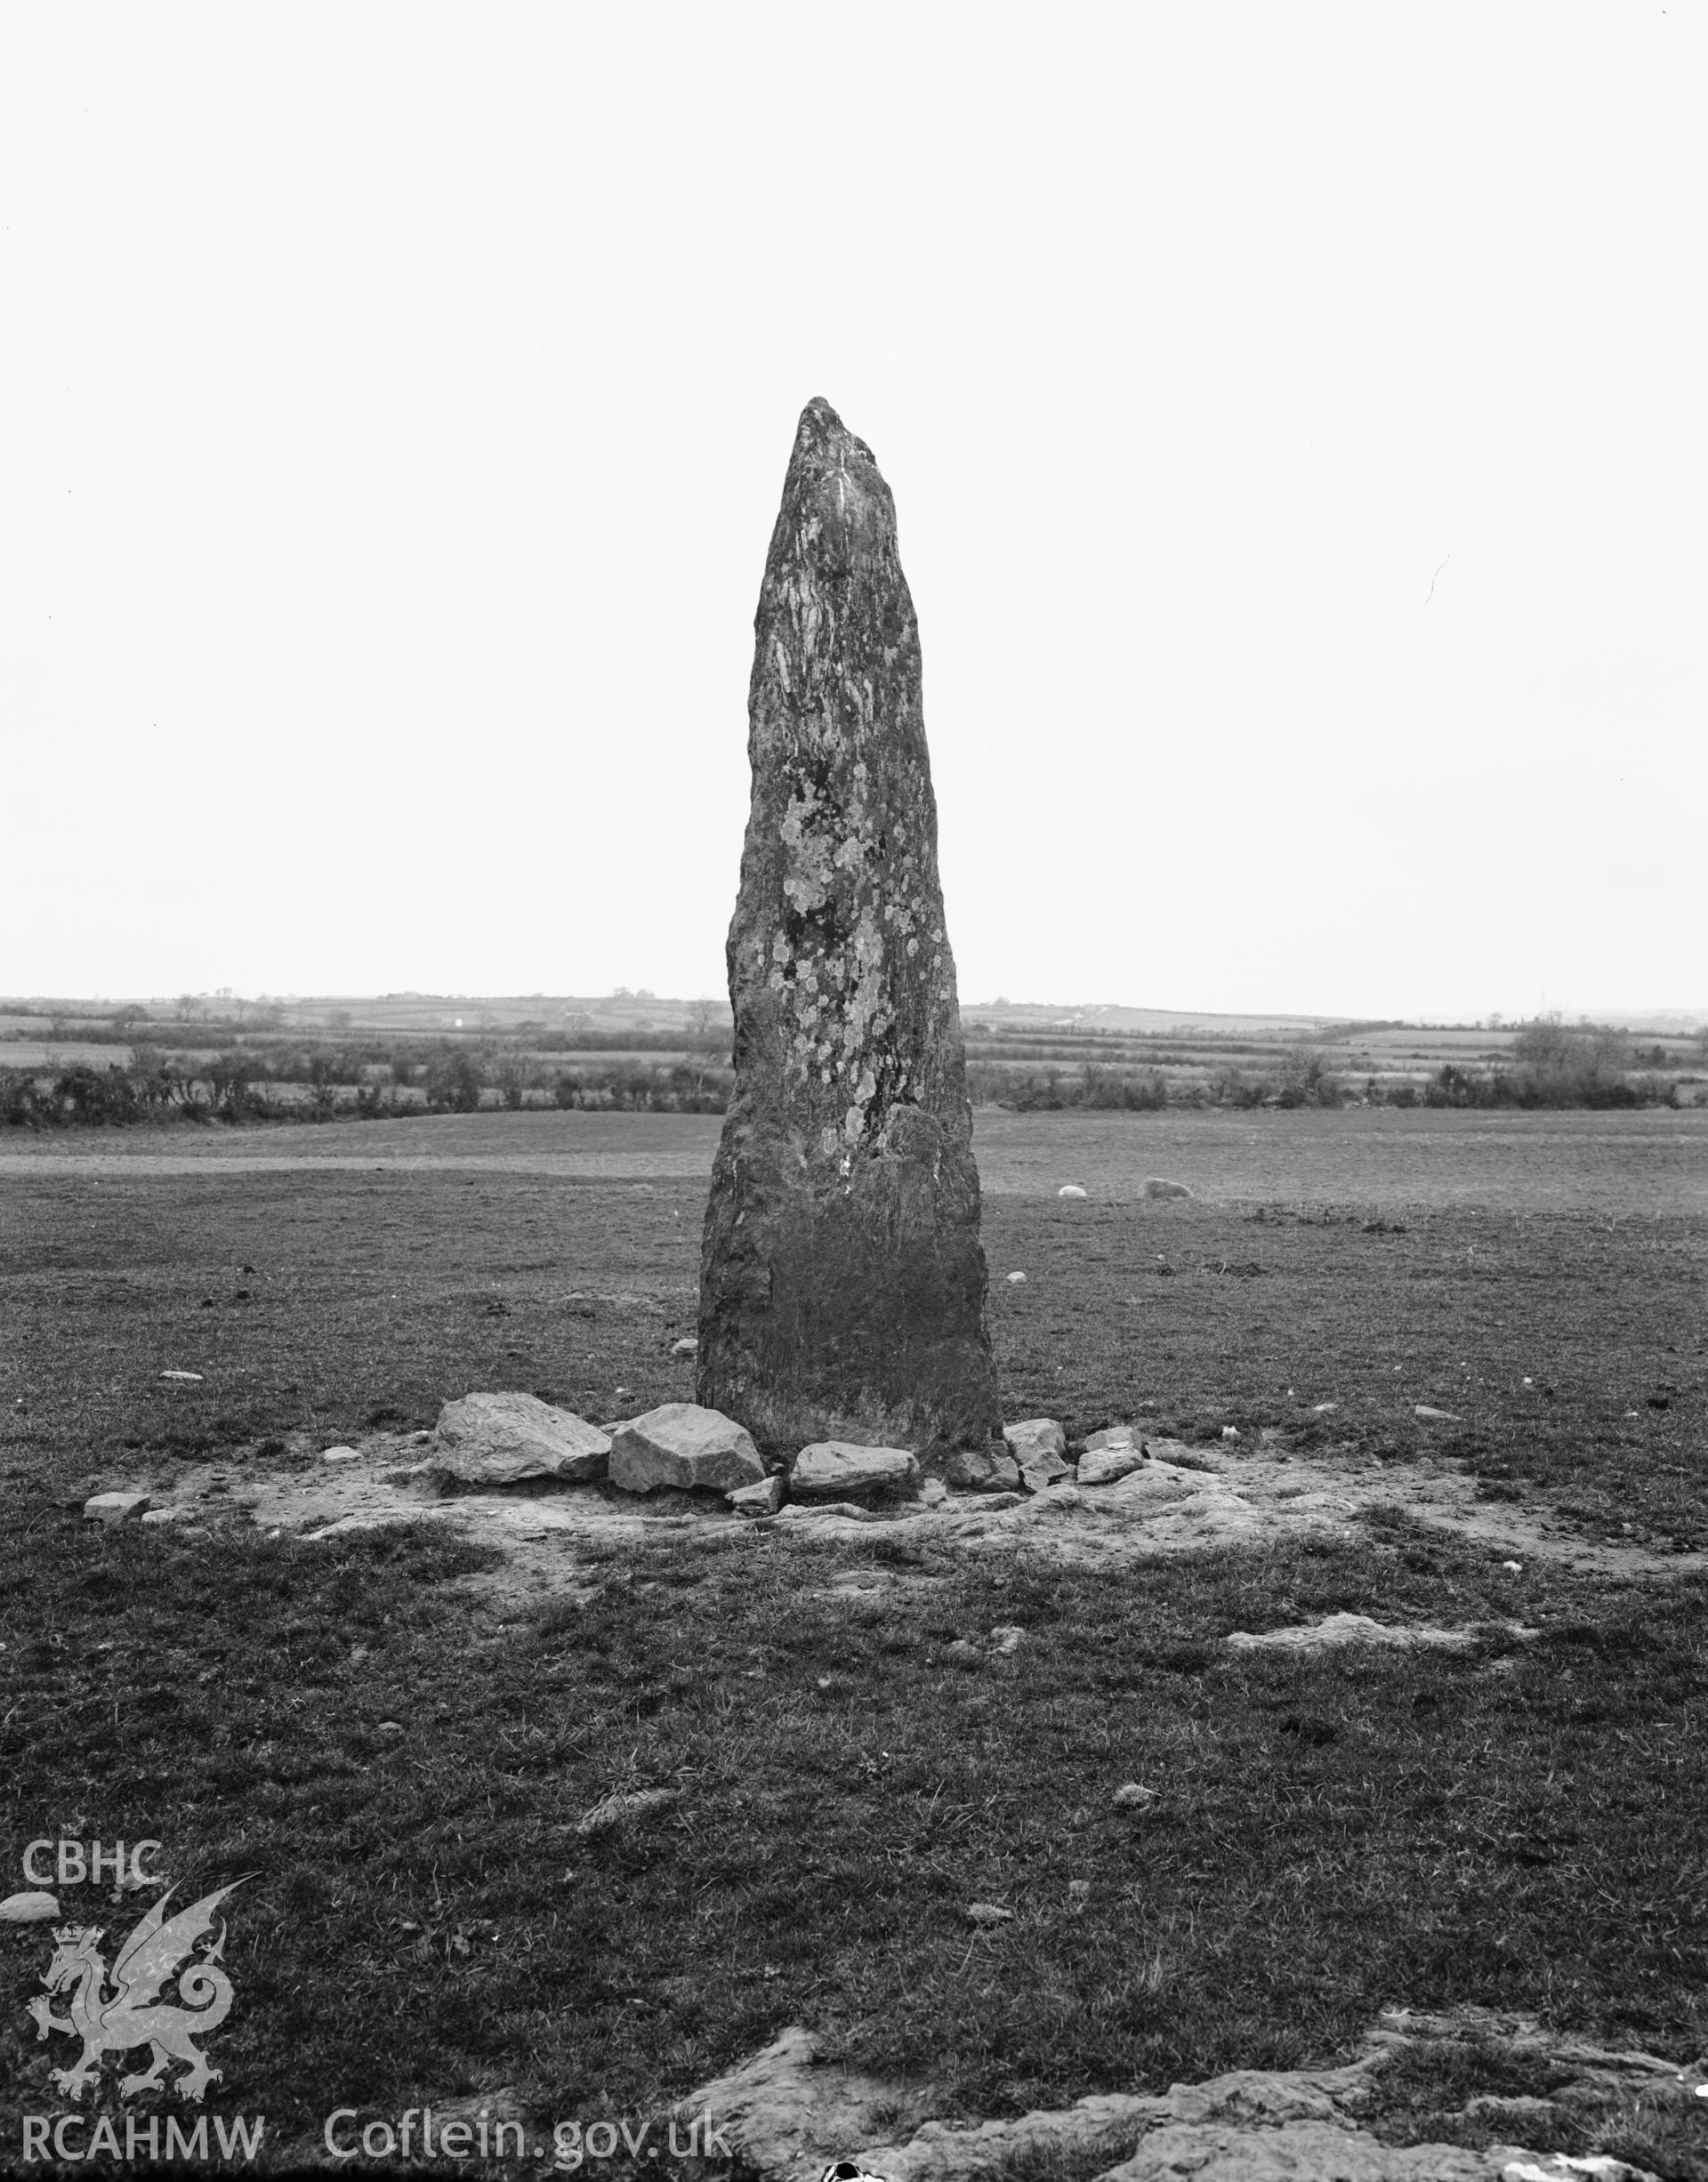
(401, 1768)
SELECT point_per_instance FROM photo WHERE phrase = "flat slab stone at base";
(837, 1470)
(682, 1445)
(1326, 2150)
(840, 1510)
(788, 2113)
(505, 1439)
(977, 1471)
(1359, 1629)
(1039, 1446)
(791, 2115)
(755, 1500)
(1108, 1465)
(111, 1508)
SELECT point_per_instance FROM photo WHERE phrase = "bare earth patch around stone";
(790, 2112)
(1247, 1498)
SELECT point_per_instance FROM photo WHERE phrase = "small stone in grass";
(979, 1469)
(837, 1469)
(1517, 1567)
(111, 1508)
(340, 1454)
(195, 1377)
(1070, 1189)
(986, 1914)
(682, 1445)
(1436, 1416)
(1015, 1278)
(757, 1501)
(1133, 1796)
(622, 1810)
(687, 1346)
(1039, 1447)
(391, 1727)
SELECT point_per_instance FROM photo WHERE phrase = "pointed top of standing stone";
(838, 516)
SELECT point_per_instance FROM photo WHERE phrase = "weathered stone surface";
(756, 1501)
(841, 1278)
(1330, 2151)
(1109, 1465)
(975, 1470)
(837, 1469)
(1039, 1447)
(790, 2114)
(1343, 1628)
(620, 1811)
(682, 1445)
(823, 1512)
(787, 2113)
(111, 1508)
(503, 1439)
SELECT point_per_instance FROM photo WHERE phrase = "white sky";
(394, 402)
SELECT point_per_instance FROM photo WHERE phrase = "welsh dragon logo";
(115, 2010)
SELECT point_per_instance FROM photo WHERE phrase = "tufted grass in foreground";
(1520, 1826)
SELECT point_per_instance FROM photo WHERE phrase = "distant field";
(1386, 1159)
(1646, 1164)
(61, 1053)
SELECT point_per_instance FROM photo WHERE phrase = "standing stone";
(841, 1278)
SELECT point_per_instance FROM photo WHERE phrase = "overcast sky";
(1295, 416)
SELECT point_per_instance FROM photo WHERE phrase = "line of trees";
(243, 1085)
(1557, 1064)
(1552, 1064)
